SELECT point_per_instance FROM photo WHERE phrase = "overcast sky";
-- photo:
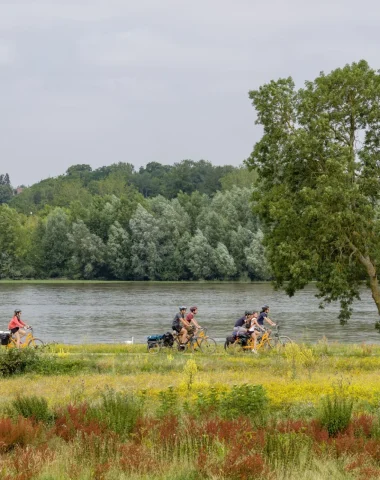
(104, 81)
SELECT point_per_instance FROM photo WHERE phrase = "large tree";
(318, 163)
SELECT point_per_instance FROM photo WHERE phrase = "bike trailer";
(153, 340)
(165, 340)
(5, 338)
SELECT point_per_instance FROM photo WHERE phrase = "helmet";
(17, 311)
(183, 308)
(265, 307)
(248, 312)
(192, 309)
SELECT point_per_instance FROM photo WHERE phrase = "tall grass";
(335, 413)
(118, 411)
(114, 436)
(33, 407)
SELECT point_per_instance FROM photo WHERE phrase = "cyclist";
(263, 317)
(180, 324)
(190, 318)
(15, 327)
(255, 329)
(242, 324)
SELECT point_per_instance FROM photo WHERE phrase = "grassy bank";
(184, 416)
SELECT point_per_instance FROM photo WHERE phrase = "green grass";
(117, 412)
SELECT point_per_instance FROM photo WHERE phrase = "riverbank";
(148, 282)
(186, 416)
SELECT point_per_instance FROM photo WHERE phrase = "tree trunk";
(373, 280)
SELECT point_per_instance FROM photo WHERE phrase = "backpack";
(5, 338)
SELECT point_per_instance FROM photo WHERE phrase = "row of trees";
(193, 236)
(81, 183)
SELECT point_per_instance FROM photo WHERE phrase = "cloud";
(147, 49)
(98, 81)
(6, 54)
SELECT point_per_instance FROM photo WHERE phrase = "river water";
(115, 312)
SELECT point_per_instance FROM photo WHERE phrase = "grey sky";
(103, 81)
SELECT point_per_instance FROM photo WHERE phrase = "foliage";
(241, 177)
(169, 402)
(94, 224)
(88, 251)
(318, 191)
(335, 413)
(245, 400)
(119, 411)
(12, 243)
(5, 189)
(80, 183)
(33, 407)
(13, 360)
(288, 452)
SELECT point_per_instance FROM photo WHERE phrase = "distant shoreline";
(156, 282)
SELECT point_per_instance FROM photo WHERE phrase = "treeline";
(81, 183)
(128, 236)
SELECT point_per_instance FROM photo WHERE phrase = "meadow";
(109, 412)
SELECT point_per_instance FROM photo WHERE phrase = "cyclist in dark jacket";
(180, 324)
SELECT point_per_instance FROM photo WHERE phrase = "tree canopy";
(96, 224)
(318, 163)
(81, 182)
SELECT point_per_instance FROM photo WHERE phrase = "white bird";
(129, 342)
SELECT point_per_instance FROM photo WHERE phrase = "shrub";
(335, 413)
(245, 400)
(32, 407)
(209, 401)
(169, 404)
(18, 433)
(74, 420)
(118, 411)
(13, 360)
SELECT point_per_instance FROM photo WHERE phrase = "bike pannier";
(168, 339)
(5, 338)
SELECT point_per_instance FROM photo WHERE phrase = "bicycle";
(205, 343)
(196, 343)
(245, 343)
(29, 341)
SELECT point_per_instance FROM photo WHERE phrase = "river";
(115, 312)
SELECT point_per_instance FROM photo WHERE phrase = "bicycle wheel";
(235, 348)
(195, 345)
(207, 345)
(269, 344)
(283, 341)
(182, 348)
(35, 343)
(155, 348)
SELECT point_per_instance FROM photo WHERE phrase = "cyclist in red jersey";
(190, 317)
(15, 326)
